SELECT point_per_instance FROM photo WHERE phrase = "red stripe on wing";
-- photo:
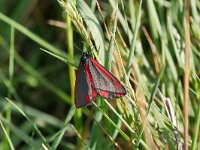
(84, 92)
(105, 83)
(106, 73)
(93, 93)
(104, 94)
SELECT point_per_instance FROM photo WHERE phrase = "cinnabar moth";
(93, 79)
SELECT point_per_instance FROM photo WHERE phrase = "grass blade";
(7, 136)
(32, 36)
(94, 27)
(133, 42)
(155, 88)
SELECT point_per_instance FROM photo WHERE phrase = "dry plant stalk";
(187, 73)
(171, 115)
(154, 51)
(74, 16)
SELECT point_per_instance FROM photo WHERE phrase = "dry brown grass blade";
(187, 73)
(104, 23)
(154, 51)
(171, 115)
(142, 110)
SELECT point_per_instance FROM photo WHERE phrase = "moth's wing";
(84, 91)
(104, 82)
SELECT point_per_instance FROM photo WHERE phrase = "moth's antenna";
(78, 48)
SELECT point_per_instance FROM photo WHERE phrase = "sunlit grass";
(141, 42)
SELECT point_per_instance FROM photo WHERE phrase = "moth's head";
(85, 57)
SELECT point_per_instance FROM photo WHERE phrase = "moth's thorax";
(85, 57)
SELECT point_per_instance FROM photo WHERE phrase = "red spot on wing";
(87, 99)
(104, 94)
(78, 105)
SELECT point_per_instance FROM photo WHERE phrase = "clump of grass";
(141, 42)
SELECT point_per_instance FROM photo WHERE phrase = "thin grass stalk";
(196, 130)
(31, 35)
(154, 51)
(16, 130)
(78, 24)
(125, 123)
(155, 88)
(64, 127)
(59, 58)
(187, 73)
(6, 137)
(104, 130)
(133, 42)
(69, 38)
(57, 91)
(111, 43)
(11, 72)
(122, 21)
(126, 137)
(80, 137)
(126, 22)
(30, 121)
(104, 23)
(11, 59)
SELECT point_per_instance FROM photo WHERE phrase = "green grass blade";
(32, 36)
(69, 41)
(153, 19)
(171, 64)
(23, 113)
(111, 43)
(11, 59)
(11, 72)
(124, 24)
(60, 58)
(81, 138)
(19, 133)
(108, 118)
(93, 26)
(133, 41)
(7, 135)
(119, 116)
(176, 50)
(155, 88)
(57, 140)
(42, 80)
(195, 137)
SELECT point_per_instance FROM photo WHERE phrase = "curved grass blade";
(94, 27)
(21, 134)
(59, 57)
(133, 42)
(7, 136)
(28, 68)
(155, 88)
(58, 137)
(31, 35)
(111, 43)
(34, 126)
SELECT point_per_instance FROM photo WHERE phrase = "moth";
(93, 80)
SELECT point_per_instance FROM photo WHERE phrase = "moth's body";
(92, 80)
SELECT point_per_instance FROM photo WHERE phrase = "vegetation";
(152, 47)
